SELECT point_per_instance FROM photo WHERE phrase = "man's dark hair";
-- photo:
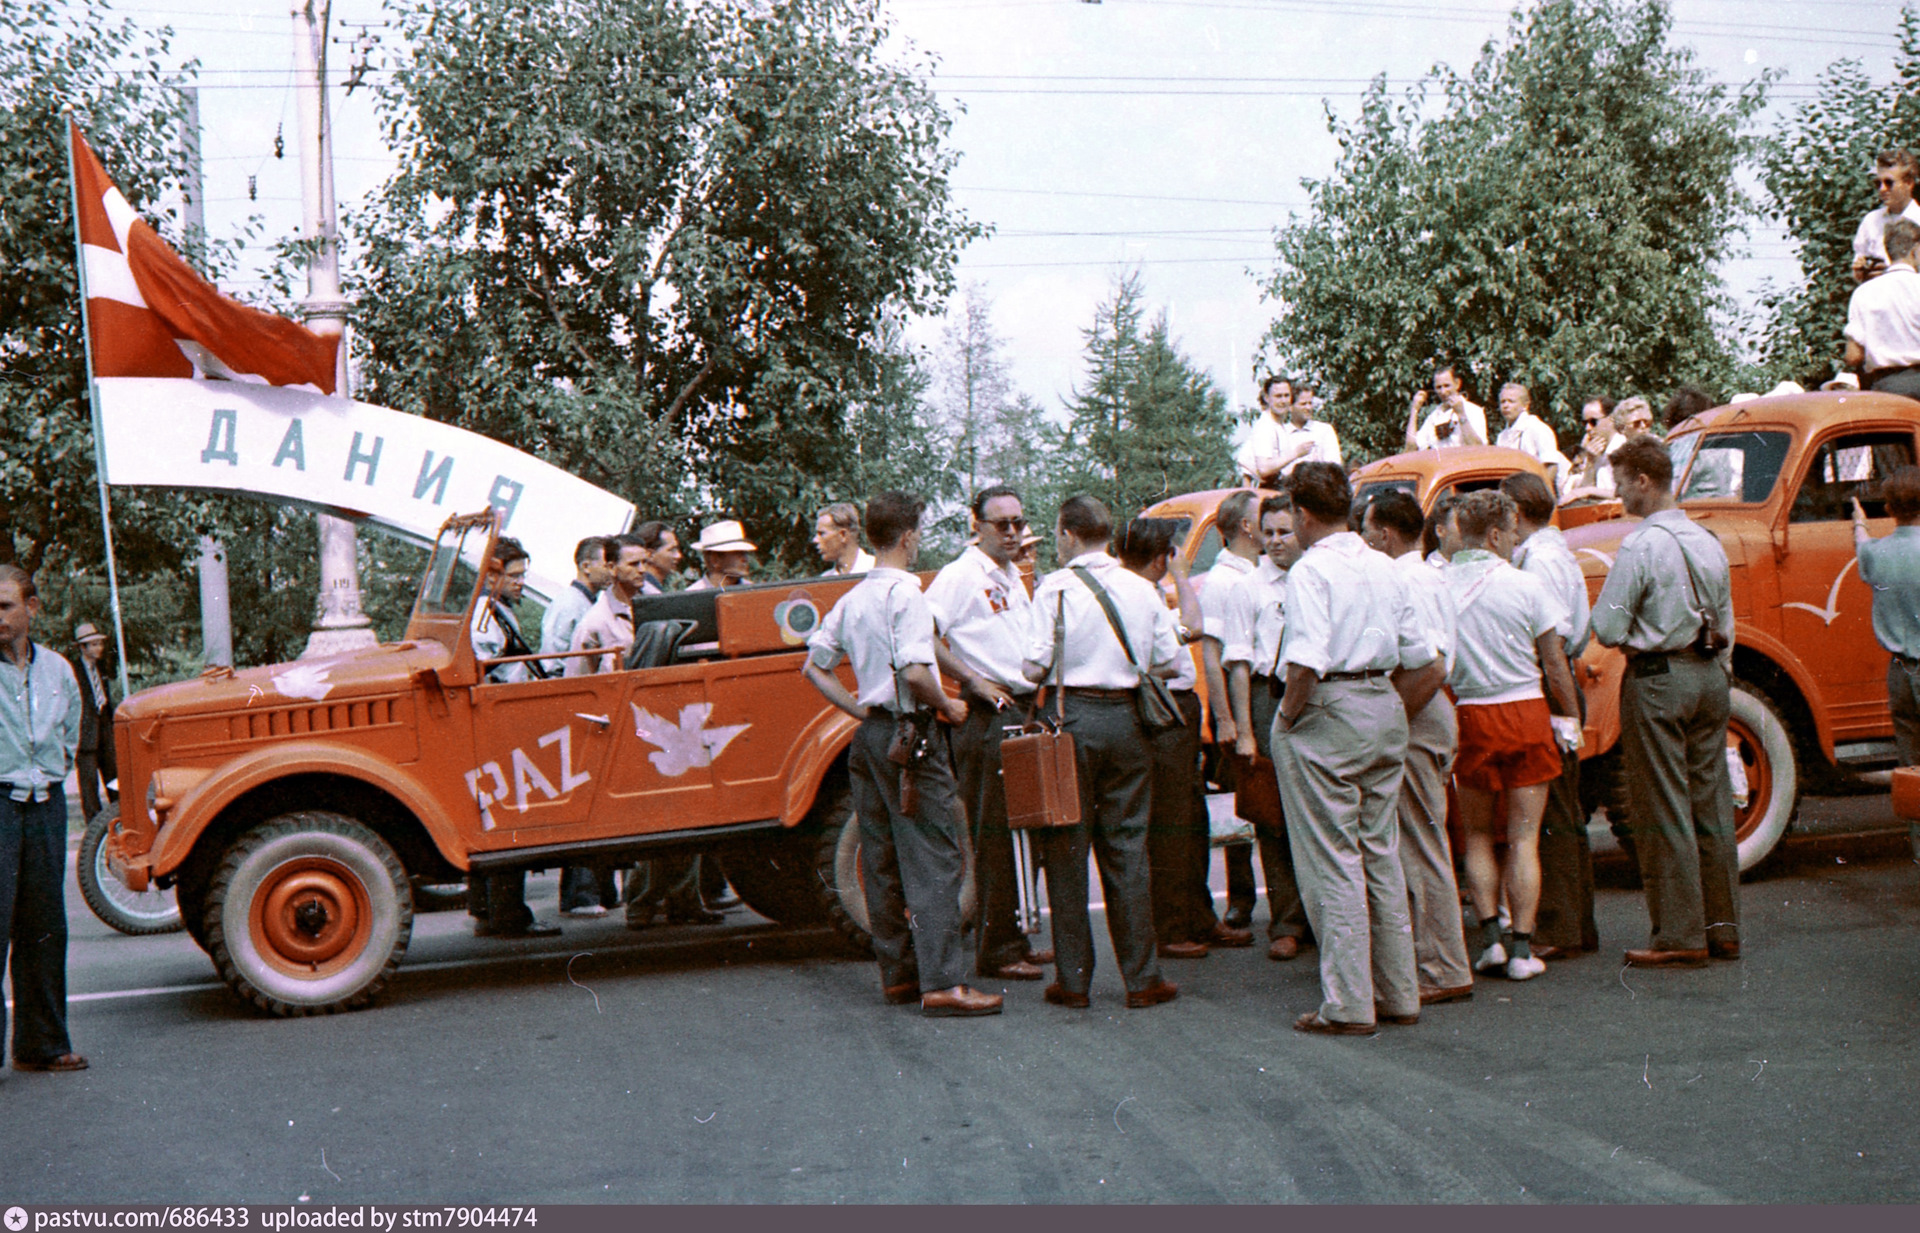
(1272, 379)
(1606, 404)
(1145, 540)
(1274, 505)
(1357, 515)
(1234, 508)
(1688, 400)
(592, 548)
(890, 515)
(1902, 493)
(1398, 512)
(1482, 511)
(20, 578)
(1902, 158)
(1087, 518)
(1457, 369)
(648, 535)
(1644, 455)
(1530, 495)
(1902, 237)
(1437, 518)
(1321, 489)
(985, 495)
(507, 550)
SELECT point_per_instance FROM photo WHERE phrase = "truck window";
(1736, 466)
(1207, 550)
(1368, 492)
(1852, 466)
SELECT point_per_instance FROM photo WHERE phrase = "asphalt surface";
(749, 1063)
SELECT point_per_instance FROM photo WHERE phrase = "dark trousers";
(1566, 866)
(33, 876)
(913, 864)
(583, 886)
(669, 884)
(1177, 848)
(499, 900)
(92, 767)
(1903, 699)
(1286, 914)
(997, 940)
(1673, 739)
(1115, 804)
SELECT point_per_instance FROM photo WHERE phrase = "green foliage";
(1815, 170)
(1553, 216)
(1147, 424)
(655, 242)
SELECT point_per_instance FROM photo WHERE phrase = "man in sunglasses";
(980, 607)
(1894, 173)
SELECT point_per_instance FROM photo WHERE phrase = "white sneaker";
(1525, 969)
(1493, 957)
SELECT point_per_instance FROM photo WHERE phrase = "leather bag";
(1037, 766)
(1256, 791)
(1152, 698)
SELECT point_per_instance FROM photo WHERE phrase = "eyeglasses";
(1589, 422)
(1884, 181)
(1006, 526)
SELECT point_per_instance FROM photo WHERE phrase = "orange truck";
(293, 808)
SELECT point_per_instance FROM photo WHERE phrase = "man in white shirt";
(1235, 519)
(1883, 319)
(1565, 927)
(836, 537)
(607, 626)
(1589, 474)
(1894, 175)
(592, 572)
(1101, 675)
(724, 549)
(912, 851)
(1393, 525)
(1285, 436)
(1507, 647)
(1254, 621)
(1453, 421)
(1526, 431)
(1352, 643)
(980, 607)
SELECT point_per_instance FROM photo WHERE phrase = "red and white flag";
(152, 316)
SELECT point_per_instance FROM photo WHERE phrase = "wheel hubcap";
(311, 917)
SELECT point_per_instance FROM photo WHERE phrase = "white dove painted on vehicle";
(1832, 609)
(1605, 558)
(304, 681)
(687, 745)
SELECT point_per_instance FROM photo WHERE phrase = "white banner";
(348, 458)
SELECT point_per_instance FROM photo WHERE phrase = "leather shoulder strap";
(1106, 606)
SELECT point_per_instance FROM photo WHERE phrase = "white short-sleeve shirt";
(1545, 555)
(983, 611)
(1256, 620)
(1870, 237)
(1347, 611)
(1427, 436)
(1499, 612)
(1432, 604)
(1094, 658)
(1215, 586)
(882, 624)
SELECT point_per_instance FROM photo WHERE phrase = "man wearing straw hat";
(723, 549)
(93, 761)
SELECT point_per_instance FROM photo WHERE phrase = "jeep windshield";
(447, 583)
(1730, 466)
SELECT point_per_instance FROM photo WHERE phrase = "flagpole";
(93, 405)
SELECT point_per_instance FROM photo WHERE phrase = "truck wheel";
(1760, 751)
(130, 911)
(308, 913)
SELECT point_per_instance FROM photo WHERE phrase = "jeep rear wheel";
(113, 901)
(1759, 751)
(840, 873)
(308, 913)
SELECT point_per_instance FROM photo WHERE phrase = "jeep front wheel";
(308, 913)
(130, 911)
(1764, 771)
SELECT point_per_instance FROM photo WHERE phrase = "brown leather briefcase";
(1037, 767)
(1256, 791)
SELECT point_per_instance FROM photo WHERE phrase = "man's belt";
(1366, 675)
(1100, 695)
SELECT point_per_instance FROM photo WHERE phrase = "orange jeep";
(292, 807)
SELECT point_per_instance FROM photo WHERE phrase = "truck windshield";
(447, 584)
(1733, 466)
(1367, 492)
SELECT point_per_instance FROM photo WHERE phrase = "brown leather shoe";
(1154, 994)
(1183, 950)
(959, 1002)
(1019, 970)
(904, 994)
(1061, 997)
(66, 1061)
(1312, 1022)
(1224, 934)
(1284, 948)
(1433, 995)
(1040, 956)
(1723, 950)
(1649, 958)
(1553, 952)
(1398, 1020)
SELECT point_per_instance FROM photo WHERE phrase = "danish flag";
(152, 316)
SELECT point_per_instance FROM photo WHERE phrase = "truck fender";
(817, 748)
(1776, 653)
(205, 801)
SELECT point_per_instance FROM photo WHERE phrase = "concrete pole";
(216, 623)
(340, 626)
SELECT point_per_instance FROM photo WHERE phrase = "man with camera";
(912, 854)
(1453, 420)
(1668, 604)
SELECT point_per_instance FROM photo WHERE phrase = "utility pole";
(340, 625)
(216, 624)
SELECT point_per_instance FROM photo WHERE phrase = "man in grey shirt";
(1891, 566)
(1668, 603)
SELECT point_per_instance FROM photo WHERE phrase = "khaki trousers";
(1426, 857)
(1340, 766)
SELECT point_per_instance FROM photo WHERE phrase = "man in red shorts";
(1507, 647)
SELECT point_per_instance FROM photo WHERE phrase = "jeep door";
(540, 754)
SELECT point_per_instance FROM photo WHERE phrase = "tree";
(654, 241)
(1147, 423)
(974, 384)
(1813, 170)
(1557, 219)
(898, 444)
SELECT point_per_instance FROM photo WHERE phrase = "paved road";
(750, 1063)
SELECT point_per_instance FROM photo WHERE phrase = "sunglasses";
(1006, 526)
(1884, 182)
(1589, 422)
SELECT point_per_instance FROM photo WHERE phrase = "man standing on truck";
(1894, 175)
(39, 731)
(1454, 421)
(836, 537)
(1668, 603)
(1285, 436)
(592, 572)
(723, 549)
(608, 624)
(1891, 566)
(1883, 319)
(912, 853)
(496, 631)
(1526, 431)
(982, 610)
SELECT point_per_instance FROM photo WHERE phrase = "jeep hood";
(384, 669)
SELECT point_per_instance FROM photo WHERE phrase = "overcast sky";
(1171, 135)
